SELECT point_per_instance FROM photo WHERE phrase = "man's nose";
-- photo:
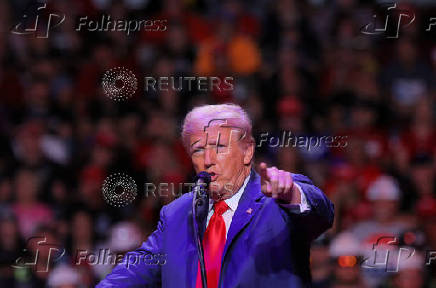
(209, 156)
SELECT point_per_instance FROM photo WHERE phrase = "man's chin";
(218, 191)
(215, 194)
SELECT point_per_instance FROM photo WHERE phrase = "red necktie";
(214, 241)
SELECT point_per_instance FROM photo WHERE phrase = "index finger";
(263, 171)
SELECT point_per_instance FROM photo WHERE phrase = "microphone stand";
(199, 199)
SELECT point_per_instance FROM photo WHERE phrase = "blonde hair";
(200, 117)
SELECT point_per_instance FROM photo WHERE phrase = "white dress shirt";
(234, 201)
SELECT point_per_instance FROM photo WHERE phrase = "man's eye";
(222, 148)
(197, 150)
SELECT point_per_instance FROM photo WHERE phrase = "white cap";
(125, 236)
(63, 275)
(384, 188)
(345, 244)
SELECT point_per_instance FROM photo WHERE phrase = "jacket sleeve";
(316, 220)
(142, 267)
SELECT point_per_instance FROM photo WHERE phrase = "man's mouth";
(213, 176)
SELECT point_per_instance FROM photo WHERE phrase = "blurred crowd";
(299, 66)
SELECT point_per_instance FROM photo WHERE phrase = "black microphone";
(201, 197)
(202, 181)
(200, 209)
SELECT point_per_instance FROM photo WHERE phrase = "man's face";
(218, 150)
(384, 210)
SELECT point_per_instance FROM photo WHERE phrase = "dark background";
(300, 66)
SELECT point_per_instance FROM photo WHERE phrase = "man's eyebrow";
(212, 142)
(195, 142)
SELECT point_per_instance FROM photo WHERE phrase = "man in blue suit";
(258, 228)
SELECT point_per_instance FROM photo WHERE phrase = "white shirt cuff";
(298, 208)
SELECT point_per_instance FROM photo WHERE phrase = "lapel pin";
(249, 210)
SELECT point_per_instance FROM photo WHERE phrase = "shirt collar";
(233, 201)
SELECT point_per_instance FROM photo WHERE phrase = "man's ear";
(248, 153)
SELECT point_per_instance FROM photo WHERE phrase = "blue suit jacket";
(268, 247)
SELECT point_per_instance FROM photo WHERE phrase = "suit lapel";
(247, 208)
